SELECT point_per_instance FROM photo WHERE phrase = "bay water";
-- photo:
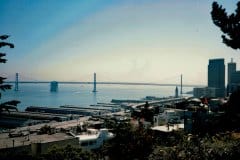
(38, 94)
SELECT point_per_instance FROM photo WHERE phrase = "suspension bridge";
(94, 82)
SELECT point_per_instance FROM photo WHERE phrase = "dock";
(67, 110)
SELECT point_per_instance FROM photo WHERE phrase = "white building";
(168, 121)
(168, 128)
(94, 138)
(168, 116)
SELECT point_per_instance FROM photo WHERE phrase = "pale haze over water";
(82, 95)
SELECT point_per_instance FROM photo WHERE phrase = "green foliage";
(229, 24)
(53, 153)
(66, 153)
(232, 112)
(140, 144)
(147, 113)
(12, 154)
(197, 148)
(129, 143)
(3, 87)
(234, 102)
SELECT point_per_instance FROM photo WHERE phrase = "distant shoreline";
(114, 83)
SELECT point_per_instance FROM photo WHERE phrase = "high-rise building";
(233, 77)
(231, 70)
(216, 76)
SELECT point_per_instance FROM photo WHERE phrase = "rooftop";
(7, 142)
(168, 128)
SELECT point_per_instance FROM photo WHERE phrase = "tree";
(129, 143)
(3, 87)
(66, 153)
(147, 113)
(229, 24)
(54, 152)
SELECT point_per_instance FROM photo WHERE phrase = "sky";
(151, 41)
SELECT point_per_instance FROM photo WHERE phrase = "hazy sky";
(120, 40)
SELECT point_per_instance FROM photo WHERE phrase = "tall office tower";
(231, 71)
(216, 76)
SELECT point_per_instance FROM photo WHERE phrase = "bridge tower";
(181, 86)
(53, 86)
(95, 83)
(16, 82)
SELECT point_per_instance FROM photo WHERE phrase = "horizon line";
(116, 83)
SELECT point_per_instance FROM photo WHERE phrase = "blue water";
(81, 94)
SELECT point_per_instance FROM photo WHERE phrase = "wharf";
(29, 134)
(57, 125)
(37, 116)
(97, 107)
(118, 101)
(66, 110)
(16, 119)
(170, 100)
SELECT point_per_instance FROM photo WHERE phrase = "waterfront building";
(204, 92)
(216, 76)
(176, 92)
(94, 138)
(54, 86)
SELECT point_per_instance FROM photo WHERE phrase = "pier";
(78, 111)
(151, 101)
(161, 102)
